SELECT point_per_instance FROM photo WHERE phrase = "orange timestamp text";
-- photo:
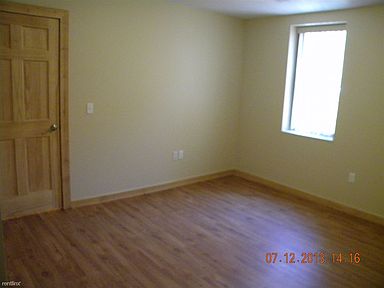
(312, 258)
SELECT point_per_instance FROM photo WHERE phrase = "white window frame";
(295, 31)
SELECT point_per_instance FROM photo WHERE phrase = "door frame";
(62, 16)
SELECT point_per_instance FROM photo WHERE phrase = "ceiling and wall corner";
(256, 8)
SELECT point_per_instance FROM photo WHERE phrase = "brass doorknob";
(53, 128)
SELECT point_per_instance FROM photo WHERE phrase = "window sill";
(310, 135)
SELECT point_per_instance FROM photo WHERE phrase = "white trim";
(336, 26)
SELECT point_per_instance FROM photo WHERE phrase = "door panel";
(6, 90)
(36, 89)
(38, 155)
(5, 36)
(8, 184)
(29, 99)
(35, 38)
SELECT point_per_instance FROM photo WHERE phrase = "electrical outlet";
(351, 177)
(181, 154)
(90, 108)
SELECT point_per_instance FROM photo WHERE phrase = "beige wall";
(165, 77)
(162, 77)
(315, 166)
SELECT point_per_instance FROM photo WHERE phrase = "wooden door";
(29, 106)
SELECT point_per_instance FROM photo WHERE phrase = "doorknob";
(53, 128)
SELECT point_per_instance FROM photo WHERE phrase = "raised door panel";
(6, 108)
(8, 182)
(5, 35)
(36, 90)
(38, 163)
(35, 38)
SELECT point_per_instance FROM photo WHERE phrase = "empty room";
(192, 143)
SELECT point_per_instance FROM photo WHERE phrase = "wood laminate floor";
(210, 234)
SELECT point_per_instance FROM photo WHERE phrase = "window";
(313, 83)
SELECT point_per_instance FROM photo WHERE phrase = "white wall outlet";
(175, 155)
(351, 177)
(181, 154)
(90, 108)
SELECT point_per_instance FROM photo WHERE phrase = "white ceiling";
(254, 8)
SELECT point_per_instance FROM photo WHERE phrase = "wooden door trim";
(62, 17)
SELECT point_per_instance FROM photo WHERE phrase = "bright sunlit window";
(314, 74)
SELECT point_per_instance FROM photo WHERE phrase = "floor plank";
(211, 234)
